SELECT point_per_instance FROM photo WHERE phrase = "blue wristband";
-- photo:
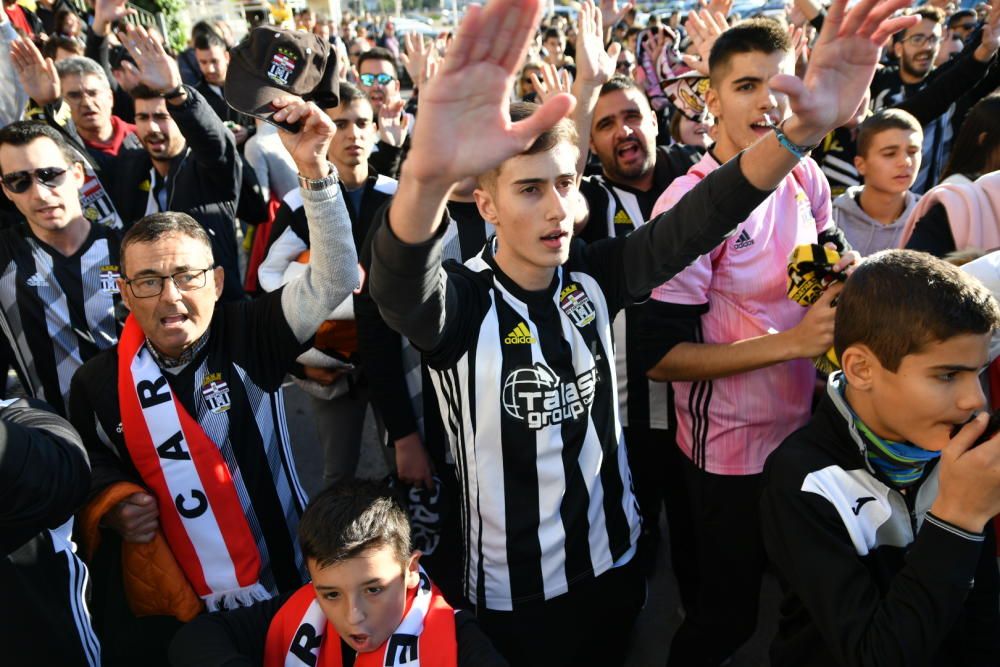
(800, 152)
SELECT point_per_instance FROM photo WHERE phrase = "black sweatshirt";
(870, 576)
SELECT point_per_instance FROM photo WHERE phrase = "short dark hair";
(879, 122)
(22, 133)
(56, 42)
(348, 93)
(562, 132)
(378, 53)
(756, 34)
(961, 14)
(620, 82)
(155, 226)
(899, 301)
(144, 92)
(207, 40)
(925, 12)
(555, 33)
(978, 140)
(352, 517)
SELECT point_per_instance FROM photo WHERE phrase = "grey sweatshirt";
(865, 234)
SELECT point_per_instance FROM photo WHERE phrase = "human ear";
(712, 102)
(412, 572)
(486, 205)
(860, 366)
(859, 164)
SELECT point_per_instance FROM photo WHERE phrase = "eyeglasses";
(19, 181)
(966, 27)
(185, 281)
(382, 78)
(922, 40)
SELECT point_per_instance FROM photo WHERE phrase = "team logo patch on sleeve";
(282, 67)
(577, 305)
(109, 277)
(216, 393)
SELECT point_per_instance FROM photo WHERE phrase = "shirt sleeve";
(932, 233)
(234, 638)
(690, 286)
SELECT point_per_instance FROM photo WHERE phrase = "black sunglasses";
(19, 181)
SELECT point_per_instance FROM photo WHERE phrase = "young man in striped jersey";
(550, 521)
(58, 294)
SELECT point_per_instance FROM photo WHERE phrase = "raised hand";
(37, 75)
(419, 54)
(156, 68)
(393, 124)
(594, 65)
(613, 13)
(308, 146)
(704, 27)
(723, 7)
(991, 34)
(841, 66)
(551, 83)
(107, 12)
(465, 127)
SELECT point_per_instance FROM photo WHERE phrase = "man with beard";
(378, 77)
(189, 165)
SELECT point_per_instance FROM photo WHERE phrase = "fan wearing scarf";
(184, 418)
(369, 603)
(876, 513)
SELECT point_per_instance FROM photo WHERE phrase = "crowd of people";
(735, 272)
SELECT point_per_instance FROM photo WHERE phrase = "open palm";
(465, 128)
(842, 64)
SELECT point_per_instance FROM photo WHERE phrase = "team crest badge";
(282, 67)
(577, 305)
(216, 393)
(109, 278)
(621, 218)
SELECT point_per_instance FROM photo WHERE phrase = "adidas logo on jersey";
(742, 241)
(37, 281)
(521, 335)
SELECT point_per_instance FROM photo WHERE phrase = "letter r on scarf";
(305, 643)
(149, 392)
(197, 510)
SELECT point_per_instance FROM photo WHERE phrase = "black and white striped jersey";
(232, 388)
(56, 312)
(528, 392)
(530, 411)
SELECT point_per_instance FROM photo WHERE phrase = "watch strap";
(319, 183)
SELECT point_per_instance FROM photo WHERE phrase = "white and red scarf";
(200, 512)
(300, 635)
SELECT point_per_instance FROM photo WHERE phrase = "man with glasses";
(58, 294)
(193, 386)
(917, 49)
(378, 77)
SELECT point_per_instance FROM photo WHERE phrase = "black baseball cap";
(271, 62)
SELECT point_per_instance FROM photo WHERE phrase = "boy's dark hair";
(351, 517)
(206, 40)
(378, 53)
(553, 33)
(757, 34)
(886, 119)
(155, 226)
(898, 301)
(348, 93)
(24, 132)
(562, 132)
(978, 140)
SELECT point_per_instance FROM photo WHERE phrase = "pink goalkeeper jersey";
(730, 426)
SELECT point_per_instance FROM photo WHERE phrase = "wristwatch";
(320, 183)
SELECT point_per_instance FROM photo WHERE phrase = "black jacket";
(203, 181)
(870, 576)
(44, 478)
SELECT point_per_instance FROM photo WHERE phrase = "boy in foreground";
(369, 602)
(872, 216)
(873, 513)
(519, 339)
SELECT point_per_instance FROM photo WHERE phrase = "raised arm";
(594, 67)
(332, 273)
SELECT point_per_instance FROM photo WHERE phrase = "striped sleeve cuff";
(955, 530)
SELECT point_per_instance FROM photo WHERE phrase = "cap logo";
(282, 66)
